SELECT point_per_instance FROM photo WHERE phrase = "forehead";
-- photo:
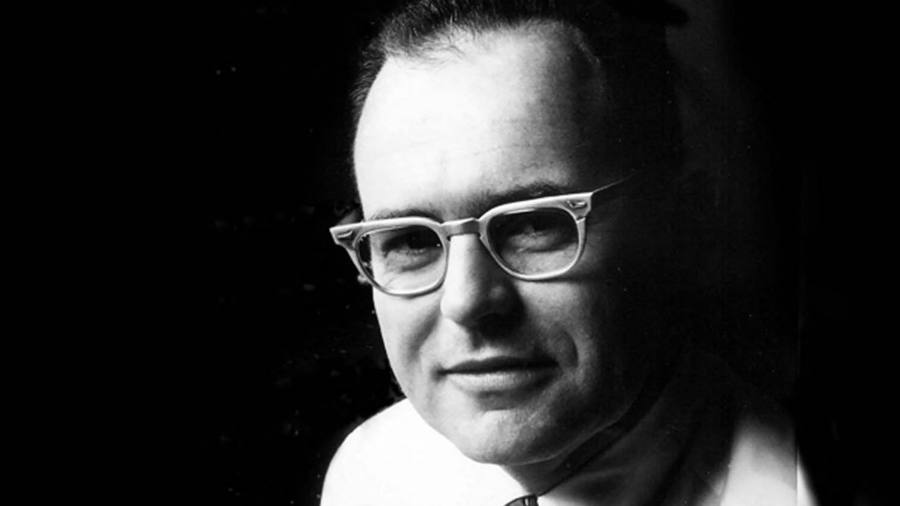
(502, 110)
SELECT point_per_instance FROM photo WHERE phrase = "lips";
(499, 374)
(495, 364)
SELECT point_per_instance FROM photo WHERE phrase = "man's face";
(512, 372)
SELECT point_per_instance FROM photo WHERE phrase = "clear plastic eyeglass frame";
(577, 205)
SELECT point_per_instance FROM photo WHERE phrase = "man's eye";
(535, 231)
(399, 250)
(409, 242)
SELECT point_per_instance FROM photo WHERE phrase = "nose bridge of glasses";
(461, 227)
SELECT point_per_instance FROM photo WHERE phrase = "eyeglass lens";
(527, 242)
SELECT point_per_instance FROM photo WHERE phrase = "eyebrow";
(482, 201)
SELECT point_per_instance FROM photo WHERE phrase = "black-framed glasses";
(532, 240)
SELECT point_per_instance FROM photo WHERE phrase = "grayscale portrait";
(510, 253)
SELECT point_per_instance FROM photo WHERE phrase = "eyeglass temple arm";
(616, 188)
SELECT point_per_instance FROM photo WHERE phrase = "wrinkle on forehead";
(478, 202)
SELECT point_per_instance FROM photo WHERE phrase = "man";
(513, 169)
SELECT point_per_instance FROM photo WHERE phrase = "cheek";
(577, 315)
(405, 325)
(587, 332)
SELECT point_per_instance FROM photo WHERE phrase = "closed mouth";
(500, 379)
(498, 364)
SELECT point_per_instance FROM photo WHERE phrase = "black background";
(278, 355)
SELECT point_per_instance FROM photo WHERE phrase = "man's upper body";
(523, 276)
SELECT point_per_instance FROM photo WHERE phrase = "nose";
(475, 288)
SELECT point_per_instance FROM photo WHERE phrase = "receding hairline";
(547, 41)
(455, 42)
(440, 44)
(627, 49)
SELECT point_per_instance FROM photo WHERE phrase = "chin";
(511, 444)
(501, 455)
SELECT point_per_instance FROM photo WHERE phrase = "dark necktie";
(528, 500)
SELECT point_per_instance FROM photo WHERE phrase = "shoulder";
(380, 446)
(764, 466)
(761, 464)
(390, 429)
(396, 458)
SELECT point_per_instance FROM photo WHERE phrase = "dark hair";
(627, 36)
